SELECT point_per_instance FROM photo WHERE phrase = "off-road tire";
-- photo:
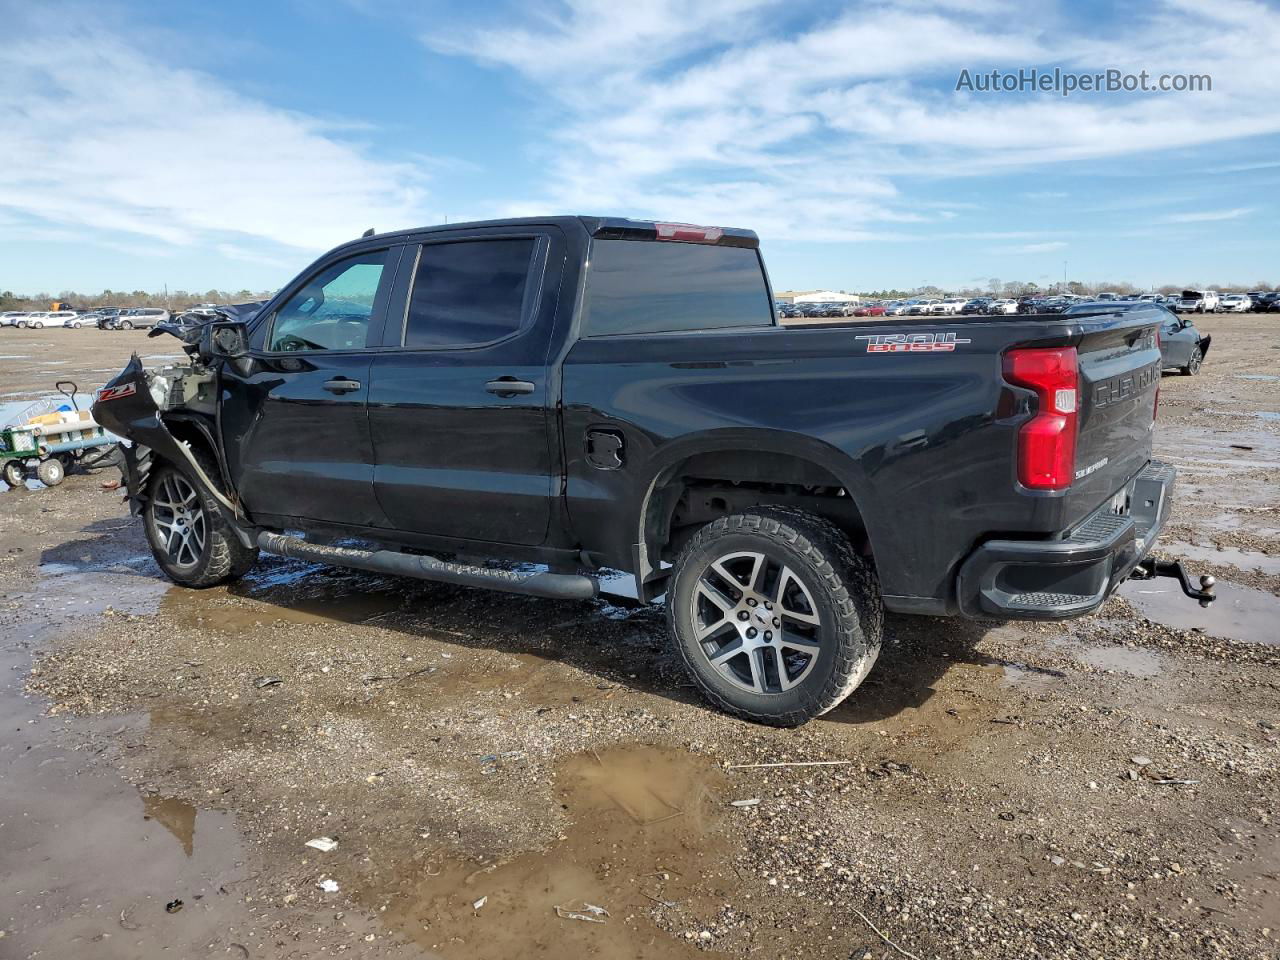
(222, 556)
(1193, 367)
(845, 593)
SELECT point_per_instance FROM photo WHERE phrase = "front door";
(295, 425)
(461, 407)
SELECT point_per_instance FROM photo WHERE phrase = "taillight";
(1047, 442)
(1155, 407)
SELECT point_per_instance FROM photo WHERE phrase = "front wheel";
(124, 325)
(188, 536)
(1193, 365)
(775, 616)
(37, 325)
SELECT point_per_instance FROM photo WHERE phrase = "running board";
(556, 586)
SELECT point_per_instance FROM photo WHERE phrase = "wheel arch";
(694, 480)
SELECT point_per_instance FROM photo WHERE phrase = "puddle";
(1134, 661)
(1239, 613)
(175, 815)
(640, 832)
(1244, 559)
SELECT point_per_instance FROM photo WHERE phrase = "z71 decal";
(116, 392)
(912, 342)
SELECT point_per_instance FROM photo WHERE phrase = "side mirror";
(226, 340)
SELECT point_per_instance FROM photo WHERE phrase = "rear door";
(295, 426)
(461, 409)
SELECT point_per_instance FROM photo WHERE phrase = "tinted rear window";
(469, 292)
(640, 286)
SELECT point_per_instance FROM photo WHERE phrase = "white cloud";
(725, 113)
(1047, 247)
(101, 136)
(1206, 216)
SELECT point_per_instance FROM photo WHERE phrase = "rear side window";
(468, 292)
(644, 286)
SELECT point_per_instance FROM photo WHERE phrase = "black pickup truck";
(530, 405)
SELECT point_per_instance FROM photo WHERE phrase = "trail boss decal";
(912, 342)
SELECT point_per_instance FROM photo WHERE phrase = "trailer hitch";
(1149, 569)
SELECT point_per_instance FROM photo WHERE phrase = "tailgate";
(1119, 367)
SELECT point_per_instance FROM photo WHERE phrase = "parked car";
(953, 305)
(619, 429)
(52, 318)
(1266, 302)
(138, 318)
(1198, 301)
(13, 318)
(870, 310)
(1003, 306)
(1107, 295)
(898, 308)
(978, 305)
(1182, 346)
(103, 316)
(1236, 303)
(923, 307)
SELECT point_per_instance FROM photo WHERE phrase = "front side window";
(332, 311)
(468, 292)
(644, 286)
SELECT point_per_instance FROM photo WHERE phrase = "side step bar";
(557, 586)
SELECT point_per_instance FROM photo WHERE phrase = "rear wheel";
(1193, 365)
(775, 616)
(124, 325)
(188, 536)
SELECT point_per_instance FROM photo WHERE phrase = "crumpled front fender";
(125, 407)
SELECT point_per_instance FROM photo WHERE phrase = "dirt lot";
(494, 769)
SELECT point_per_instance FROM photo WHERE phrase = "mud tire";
(222, 557)
(845, 593)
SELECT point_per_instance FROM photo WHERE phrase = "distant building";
(813, 296)
(825, 296)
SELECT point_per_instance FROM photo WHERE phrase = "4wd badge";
(912, 342)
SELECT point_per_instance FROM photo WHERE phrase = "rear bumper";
(1074, 573)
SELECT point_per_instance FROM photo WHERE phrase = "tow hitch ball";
(1150, 569)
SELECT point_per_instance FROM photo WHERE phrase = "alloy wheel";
(756, 622)
(178, 521)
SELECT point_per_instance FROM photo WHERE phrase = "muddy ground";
(497, 772)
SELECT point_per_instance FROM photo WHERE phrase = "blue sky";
(225, 145)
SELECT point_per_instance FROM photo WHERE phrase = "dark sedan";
(1182, 346)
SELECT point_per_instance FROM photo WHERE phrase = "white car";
(54, 318)
(1003, 306)
(1236, 303)
(952, 305)
(1198, 301)
(10, 318)
(923, 307)
(1150, 298)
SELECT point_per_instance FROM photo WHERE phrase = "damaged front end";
(135, 404)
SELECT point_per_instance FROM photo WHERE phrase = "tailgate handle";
(341, 385)
(509, 387)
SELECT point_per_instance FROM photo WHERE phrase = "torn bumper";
(1075, 573)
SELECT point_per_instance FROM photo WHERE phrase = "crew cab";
(533, 405)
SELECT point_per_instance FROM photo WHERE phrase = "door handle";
(509, 387)
(341, 385)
